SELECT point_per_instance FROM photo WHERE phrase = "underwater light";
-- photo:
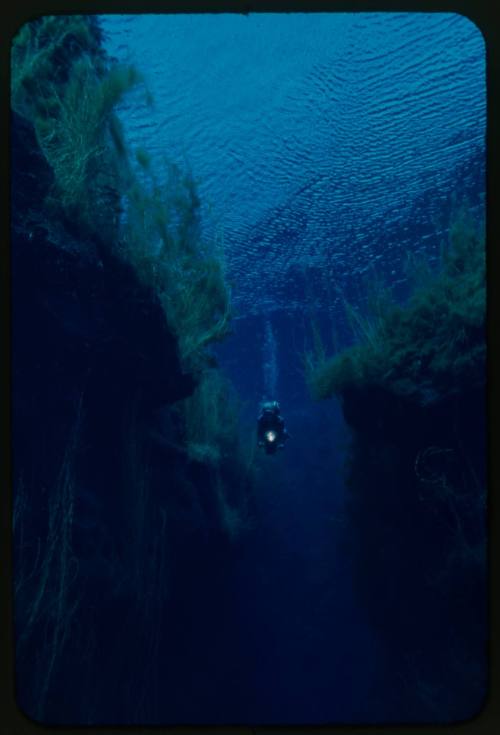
(270, 436)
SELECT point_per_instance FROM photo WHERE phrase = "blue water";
(322, 143)
(324, 146)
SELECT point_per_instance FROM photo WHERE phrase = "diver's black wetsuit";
(271, 421)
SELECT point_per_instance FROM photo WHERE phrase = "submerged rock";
(79, 311)
(94, 365)
(416, 477)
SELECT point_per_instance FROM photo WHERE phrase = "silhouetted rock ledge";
(82, 322)
(417, 508)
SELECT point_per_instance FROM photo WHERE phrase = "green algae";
(412, 392)
(426, 346)
(64, 84)
(163, 239)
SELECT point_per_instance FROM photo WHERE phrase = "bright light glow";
(270, 436)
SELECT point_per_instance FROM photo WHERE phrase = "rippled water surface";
(323, 143)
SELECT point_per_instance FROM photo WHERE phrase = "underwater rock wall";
(417, 504)
(117, 526)
(413, 393)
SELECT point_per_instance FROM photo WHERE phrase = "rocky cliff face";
(416, 477)
(113, 517)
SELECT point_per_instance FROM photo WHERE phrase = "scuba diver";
(271, 432)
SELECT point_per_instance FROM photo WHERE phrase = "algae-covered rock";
(112, 503)
(413, 393)
(432, 345)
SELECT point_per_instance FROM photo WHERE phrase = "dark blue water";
(325, 148)
(313, 655)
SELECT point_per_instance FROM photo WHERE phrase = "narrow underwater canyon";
(166, 570)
